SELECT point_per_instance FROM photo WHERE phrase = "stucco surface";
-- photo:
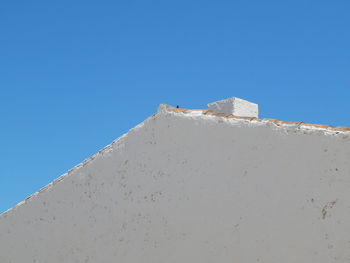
(193, 188)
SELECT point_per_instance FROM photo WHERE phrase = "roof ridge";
(275, 121)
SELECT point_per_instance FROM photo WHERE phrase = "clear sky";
(75, 75)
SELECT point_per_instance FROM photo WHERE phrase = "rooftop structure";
(234, 106)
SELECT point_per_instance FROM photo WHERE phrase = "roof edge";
(165, 107)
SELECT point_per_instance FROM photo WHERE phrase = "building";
(216, 185)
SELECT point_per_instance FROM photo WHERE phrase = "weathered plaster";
(190, 186)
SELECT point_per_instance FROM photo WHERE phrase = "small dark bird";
(177, 106)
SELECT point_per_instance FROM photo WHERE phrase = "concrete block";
(235, 106)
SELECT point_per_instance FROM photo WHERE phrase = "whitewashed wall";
(186, 188)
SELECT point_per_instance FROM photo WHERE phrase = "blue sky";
(75, 75)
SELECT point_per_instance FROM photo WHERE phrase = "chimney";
(234, 106)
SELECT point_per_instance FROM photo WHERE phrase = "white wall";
(187, 188)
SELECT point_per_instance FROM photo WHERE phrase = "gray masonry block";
(235, 106)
